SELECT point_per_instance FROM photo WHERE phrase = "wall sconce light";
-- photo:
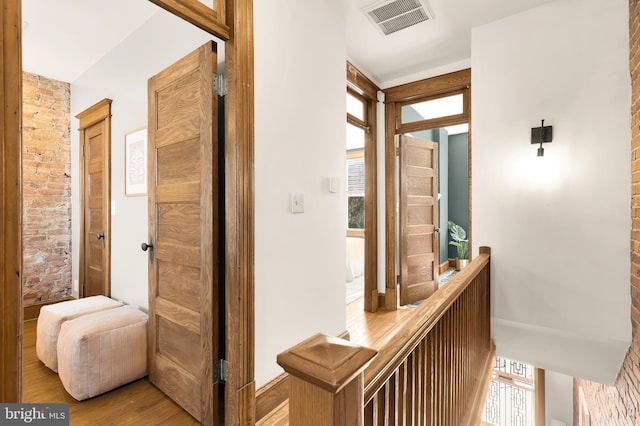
(541, 135)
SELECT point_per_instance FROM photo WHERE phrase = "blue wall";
(459, 183)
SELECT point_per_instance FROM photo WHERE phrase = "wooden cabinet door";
(183, 224)
(418, 219)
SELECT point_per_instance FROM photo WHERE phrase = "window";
(355, 189)
(361, 176)
(356, 137)
(512, 394)
(434, 108)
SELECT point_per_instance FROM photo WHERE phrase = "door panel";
(95, 244)
(418, 216)
(183, 197)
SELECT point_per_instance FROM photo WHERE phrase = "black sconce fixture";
(541, 135)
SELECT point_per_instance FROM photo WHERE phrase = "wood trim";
(444, 267)
(391, 299)
(272, 395)
(239, 215)
(11, 204)
(540, 396)
(32, 312)
(435, 123)
(362, 82)
(371, 210)
(469, 172)
(431, 86)
(196, 13)
(361, 86)
(95, 113)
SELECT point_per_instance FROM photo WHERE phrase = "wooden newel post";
(326, 383)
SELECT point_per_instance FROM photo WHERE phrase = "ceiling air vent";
(392, 16)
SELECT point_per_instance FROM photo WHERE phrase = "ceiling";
(63, 38)
(444, 39)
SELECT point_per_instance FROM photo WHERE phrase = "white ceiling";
(443, 40)
(63, 38)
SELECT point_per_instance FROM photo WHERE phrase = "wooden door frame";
(239, 199)
(369, 91)
(11, 204)
(239, 215)
(101, 111)
(394, 98)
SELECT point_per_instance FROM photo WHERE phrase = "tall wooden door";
(183, 224)
(95, 170)
(418, 219)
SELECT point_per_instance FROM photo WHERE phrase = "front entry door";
(95, 169)
(183, 233)
(418, 219)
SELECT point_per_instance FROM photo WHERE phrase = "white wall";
(559, 226)
(558, 398)
(300, 111)
(122, 76)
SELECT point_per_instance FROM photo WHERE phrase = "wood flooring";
(138, 403)
(368, 329)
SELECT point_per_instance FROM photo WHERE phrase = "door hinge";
(399, 279)
(220, 84)
(220, 371)
(397, 151)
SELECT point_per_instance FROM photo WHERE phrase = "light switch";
(334, 185)
(297, 203)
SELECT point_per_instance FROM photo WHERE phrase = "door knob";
(101, 237)
(149, 247)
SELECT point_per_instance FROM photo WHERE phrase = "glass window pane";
(356, 213)
(355, 137)
(435, 108)
(355, 176)
(510, 400)
(355, 106)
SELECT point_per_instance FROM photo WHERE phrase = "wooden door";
(418, 219)
(95, 165)
(183, 224)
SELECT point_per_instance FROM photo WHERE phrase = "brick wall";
(620, 404)
(46, 189)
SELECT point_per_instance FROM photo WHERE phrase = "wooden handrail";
(414, 328)
(433, 370)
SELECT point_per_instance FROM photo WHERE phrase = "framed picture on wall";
(135, 162)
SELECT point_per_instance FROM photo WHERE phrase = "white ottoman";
(53, 316)
(101, 351)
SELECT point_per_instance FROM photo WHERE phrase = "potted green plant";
(460, 242)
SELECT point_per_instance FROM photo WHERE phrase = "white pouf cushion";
(53, 316)
(101, 351)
